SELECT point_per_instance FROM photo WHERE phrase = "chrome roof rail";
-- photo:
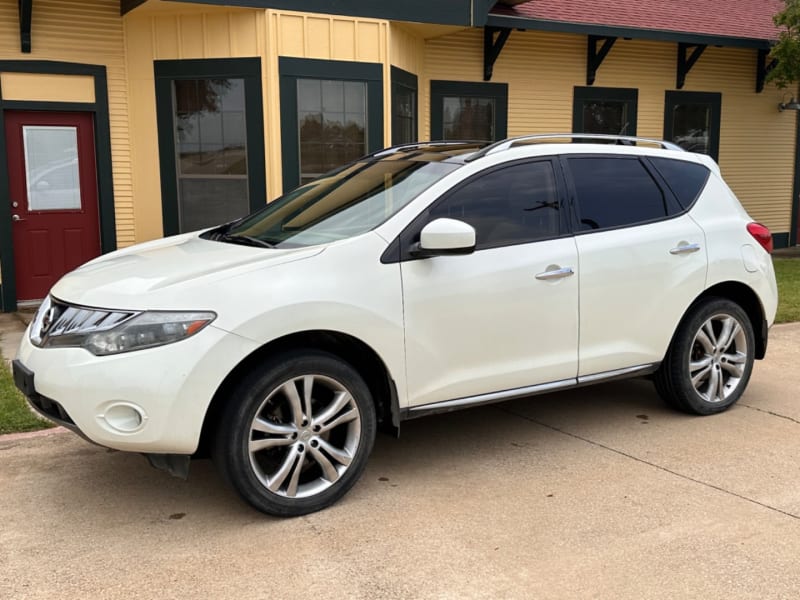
(625, 139)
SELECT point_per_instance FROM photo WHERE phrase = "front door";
(53, 194)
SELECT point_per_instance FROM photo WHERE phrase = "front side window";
(615, 192)
(692, 120)
(604, 110)
(512, 205)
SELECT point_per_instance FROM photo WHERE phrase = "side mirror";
(443, 237)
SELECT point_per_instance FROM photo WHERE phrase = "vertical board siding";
(193, 32)
(756, 141)
(89, 32)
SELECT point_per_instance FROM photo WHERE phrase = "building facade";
(125, 122)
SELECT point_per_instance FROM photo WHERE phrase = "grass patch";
(15, 416)
(787, 272)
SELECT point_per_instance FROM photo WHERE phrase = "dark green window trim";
(102, 146)
(292, 69)
(404, 79)
(248, 69)
(713, 98)
(497, 91)
(581, 94)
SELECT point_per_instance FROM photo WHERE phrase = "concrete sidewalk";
(12, 326)
(593, 493)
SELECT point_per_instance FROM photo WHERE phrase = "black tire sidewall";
(231, 448)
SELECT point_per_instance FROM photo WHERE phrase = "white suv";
(421, 279)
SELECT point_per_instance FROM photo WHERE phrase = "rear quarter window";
(685, 179)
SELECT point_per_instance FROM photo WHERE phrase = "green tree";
(787, 49)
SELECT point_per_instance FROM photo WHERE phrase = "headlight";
(106, 332)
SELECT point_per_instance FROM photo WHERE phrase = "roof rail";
(414, 145)
(623, 139)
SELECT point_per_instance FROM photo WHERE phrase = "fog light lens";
(125, 418)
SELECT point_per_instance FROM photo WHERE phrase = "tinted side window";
(513, 205)
(614, 192)
(686, 179)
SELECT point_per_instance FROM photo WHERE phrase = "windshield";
(344, 203)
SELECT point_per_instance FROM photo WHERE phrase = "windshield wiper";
(247, 240)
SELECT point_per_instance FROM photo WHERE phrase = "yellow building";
(122, 122)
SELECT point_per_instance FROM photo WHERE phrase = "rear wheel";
(296, 436)
(710, 360)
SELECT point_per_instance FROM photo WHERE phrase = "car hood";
(167, 273)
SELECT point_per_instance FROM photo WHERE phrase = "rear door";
(53, 185)
(642, 261)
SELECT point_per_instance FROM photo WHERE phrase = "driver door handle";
(555, 274)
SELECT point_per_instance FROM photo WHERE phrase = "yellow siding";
(756, 141)
(184, 32)
(47, 88)
(406, 50)
(90, 32)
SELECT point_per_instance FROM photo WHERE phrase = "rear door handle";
(556, 274)
(685, 249)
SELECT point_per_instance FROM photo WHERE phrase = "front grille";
(56, 318)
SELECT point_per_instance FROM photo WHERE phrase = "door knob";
(16, 218)
(15, 205)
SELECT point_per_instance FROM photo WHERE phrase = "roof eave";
(659, 35)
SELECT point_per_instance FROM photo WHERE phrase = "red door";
(53, 185)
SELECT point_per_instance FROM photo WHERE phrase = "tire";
(710, 359)
(280, 459)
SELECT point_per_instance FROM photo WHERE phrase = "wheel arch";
(362, 357)
(744, 296)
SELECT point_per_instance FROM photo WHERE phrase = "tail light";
(761, 234)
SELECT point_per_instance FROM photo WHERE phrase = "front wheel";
(296, 436)
(710, 360)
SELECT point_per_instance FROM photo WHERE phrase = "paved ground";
(601, 492)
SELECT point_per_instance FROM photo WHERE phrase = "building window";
(331, 114)
(211, 141)
(404, 107)
(604, 110)
(468, 111)
(691, 120)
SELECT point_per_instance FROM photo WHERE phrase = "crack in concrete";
(769, 412)
(652, 464)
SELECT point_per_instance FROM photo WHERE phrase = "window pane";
(51, 167)
(515, 205)
(610, 117)
(690, 125)
(331, 123)
(208, 202)
(686, 179)
(404, 127)
(614, 192)
(468, 118)
(211, 129)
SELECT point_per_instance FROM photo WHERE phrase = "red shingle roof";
(750, 19)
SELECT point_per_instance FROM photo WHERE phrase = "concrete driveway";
(600, 492)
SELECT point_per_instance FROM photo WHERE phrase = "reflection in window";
(51, 167)
(609, 117)
(404, 118)
(690, 125)
(212, 151)
(468, 118)
(332, 117)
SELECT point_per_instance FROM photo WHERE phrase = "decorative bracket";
(685, 63)
(492, 48)
(763, 68)
(25, 9)
(595, 57)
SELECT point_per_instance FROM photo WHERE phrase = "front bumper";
(152, 401)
